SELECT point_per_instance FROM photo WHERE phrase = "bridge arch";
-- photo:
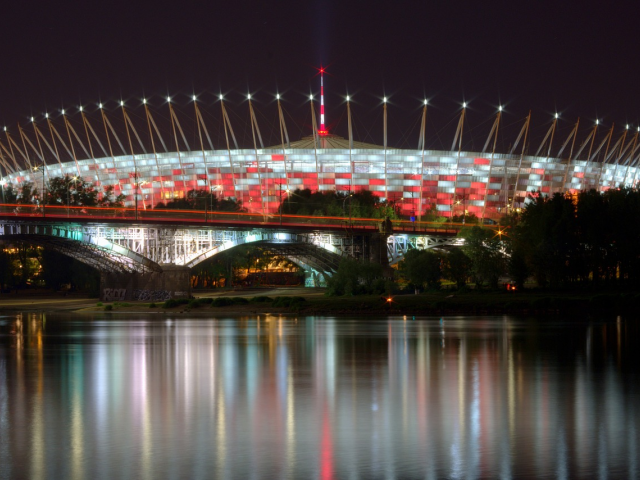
(310, 254)
(96, 252)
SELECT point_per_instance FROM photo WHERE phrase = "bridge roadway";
(158, 247)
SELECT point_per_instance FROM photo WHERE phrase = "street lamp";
(40, 169)
(287, 192)
(343, 202)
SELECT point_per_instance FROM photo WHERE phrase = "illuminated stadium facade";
(484, 183)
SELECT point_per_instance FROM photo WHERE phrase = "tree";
(67, 191)
(456, 266)
(9, 193)
(203, 200)
(486, 251)
(356, 278)
(361, 204)
(422, 267)
(110, 199)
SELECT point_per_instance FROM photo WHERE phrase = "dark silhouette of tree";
(361, 204)
(203, 200)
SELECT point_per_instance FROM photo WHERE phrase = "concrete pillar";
(173, 282)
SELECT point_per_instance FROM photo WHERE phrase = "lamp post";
(343, 203)
(36, 169)
(287, 192)
(3, 182)
(464, 206)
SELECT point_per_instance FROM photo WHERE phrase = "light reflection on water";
(275, 397)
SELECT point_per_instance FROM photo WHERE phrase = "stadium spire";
(322, 130)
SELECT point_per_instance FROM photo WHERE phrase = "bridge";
(149, 253)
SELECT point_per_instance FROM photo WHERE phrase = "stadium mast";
(322, 130)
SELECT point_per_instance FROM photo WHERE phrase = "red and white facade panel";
(415, 180)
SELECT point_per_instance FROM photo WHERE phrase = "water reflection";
(274, 397)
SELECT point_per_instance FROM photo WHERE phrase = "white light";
(168, 99)
(31, 119)
(194, 98)
(62, 111)
(46, 115)
(310, 97)
(248, 96)
(464, 104)
(384, 99)
(144, 101)
(100, 106)
(425, 101)
(220, 96)
(277, 96)
(627, 126)
(80, 107)
(500, 108)
(557, 115)
(348, 98)
(122, 103)
(597, 121)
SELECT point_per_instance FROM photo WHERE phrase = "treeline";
(203, 200)
(590, 240)
(63, 191)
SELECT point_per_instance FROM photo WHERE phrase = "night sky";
(577, 58)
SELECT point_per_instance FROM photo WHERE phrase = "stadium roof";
(327, 142)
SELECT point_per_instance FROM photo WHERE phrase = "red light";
(323, 132)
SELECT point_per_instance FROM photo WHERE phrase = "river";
(172, 396)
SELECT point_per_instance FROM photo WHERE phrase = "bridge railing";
(239, 219)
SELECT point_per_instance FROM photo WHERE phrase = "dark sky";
(577, 57)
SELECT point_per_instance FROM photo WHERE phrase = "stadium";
(125, 148)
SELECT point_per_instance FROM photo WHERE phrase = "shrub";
(222, 302)
(170, 303)
(240, 300)
(99, 304)
(152, 305)
(288, 302)
(261, 299)
(194, 304)
(205, 301)
(108, 308)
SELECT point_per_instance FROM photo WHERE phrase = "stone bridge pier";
(174, 281)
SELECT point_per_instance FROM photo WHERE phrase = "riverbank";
(306, 301)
